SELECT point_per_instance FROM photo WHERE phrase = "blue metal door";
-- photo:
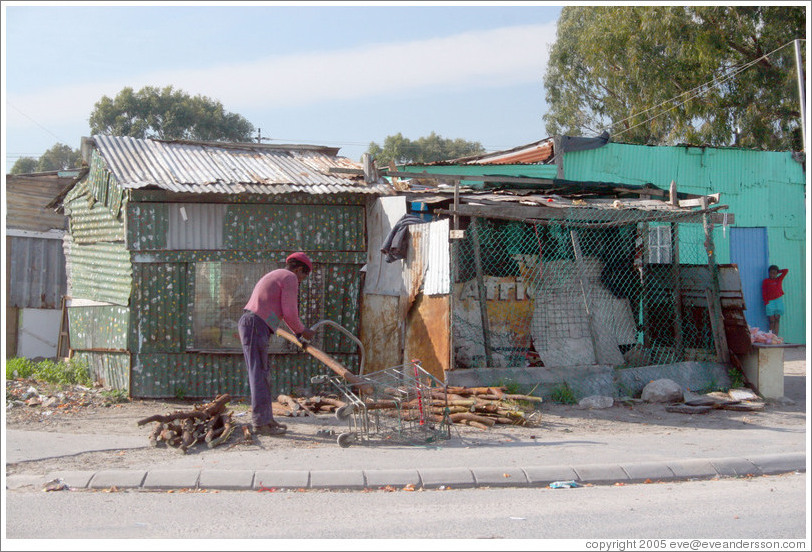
(749, 250)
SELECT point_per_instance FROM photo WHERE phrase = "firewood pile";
(480, 407)
(209, 423)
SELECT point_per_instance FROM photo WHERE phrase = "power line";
(694, 92)
(35, 122)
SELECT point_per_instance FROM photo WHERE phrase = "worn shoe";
(274, 423)
(269, 429)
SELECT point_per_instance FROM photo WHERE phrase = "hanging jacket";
(396, 244)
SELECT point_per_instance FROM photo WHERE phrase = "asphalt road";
(773, 507)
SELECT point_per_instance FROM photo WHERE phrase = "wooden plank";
(327, 360)
(480, 282)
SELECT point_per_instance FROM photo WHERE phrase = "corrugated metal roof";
(215, 167)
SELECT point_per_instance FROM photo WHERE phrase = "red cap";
(302, 258)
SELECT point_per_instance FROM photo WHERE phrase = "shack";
(571, 276)
(35, 273)
(167, 238)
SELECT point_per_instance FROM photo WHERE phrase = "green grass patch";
(64, 373)
(562, 393)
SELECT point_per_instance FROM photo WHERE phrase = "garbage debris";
(768, 338)
(55, 485)
(563, 484)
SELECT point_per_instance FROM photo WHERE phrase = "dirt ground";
(95, 411)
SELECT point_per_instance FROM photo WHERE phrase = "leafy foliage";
(70, 372)
(614, 67)
(58, 157)
(167, 114)
(426, 149)
(562, 393)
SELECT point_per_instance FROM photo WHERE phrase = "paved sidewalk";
(426, 478)
(763, 446)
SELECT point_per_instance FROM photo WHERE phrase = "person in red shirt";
(772, 293)
(275, 298)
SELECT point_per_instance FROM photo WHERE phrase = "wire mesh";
(566, 292)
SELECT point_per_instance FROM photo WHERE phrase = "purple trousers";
(254, 335)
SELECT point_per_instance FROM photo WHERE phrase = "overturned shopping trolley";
(392, 406)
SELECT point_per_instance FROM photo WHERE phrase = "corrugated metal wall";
(159, 307)
(100, 271)
(528, 171)
(198, 375)
(761, 189)
(36, 273)
(91, 221)
(152, 278)
(102, 327)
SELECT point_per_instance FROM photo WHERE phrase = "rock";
(30, 392)
(596, 401)
(34, 401)
(742, 394)
(786, 401)
(663, 391)
(50, 402)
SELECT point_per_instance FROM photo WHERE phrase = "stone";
(596, 401)
(50, 402)
(663, 391)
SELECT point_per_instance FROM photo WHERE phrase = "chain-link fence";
(571, 291)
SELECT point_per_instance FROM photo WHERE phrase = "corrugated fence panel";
(111, 369)
(36, 273)
(195, 226)
(761, 188)
(100, 271)
(159, 300)
(147, 225)
(91, 221)
(291, 227)
(342, 284)
(98, 327)
(194, 375)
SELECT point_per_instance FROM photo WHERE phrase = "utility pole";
(801, 91)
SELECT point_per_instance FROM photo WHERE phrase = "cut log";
(468, 416)
(328, 361)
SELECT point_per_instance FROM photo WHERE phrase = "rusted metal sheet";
(209, 167)
(380, 332)
(428, 335)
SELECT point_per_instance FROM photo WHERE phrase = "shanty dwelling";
(765, 189)
(557, 281)
(35, 263)
(167, 239)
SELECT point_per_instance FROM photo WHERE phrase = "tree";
(426, 149)
(24, 165)
(619, 68)
(57, 157)
(167, 114)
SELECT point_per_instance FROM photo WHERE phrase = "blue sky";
(317, 73)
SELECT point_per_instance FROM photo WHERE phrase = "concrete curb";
(429, 478)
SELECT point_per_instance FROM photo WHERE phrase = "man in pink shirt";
(275, 298)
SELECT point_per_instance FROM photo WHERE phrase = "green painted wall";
(762, 189)
(119, 254)
(527, 171)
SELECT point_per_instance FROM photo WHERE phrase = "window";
(659, 244)
(221, 291)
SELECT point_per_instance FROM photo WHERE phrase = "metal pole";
(801, 91)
